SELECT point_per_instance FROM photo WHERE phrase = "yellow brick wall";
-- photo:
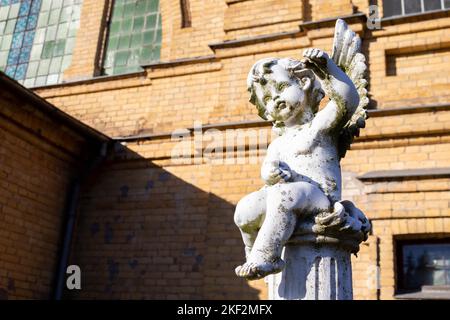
(39, 158)
(136, 241)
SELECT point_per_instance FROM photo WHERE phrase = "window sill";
(427, 293)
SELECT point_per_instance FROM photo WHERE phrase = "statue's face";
(283, 95)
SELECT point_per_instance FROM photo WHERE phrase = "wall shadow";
(144, 233)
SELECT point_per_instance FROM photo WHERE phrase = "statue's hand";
(317, 60)
(281, 173)
(317, 56)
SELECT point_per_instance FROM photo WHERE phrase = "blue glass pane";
(21, 71)
(10, 71)
(25, 55)
(28, 38)
(21, 24)
(17, 40)
(32, 22)
(13, 57)
(35, 7)
(25, 7)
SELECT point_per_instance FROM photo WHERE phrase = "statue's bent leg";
(249, 216)
(284, 202)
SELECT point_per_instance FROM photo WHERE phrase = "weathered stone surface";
(300, 203)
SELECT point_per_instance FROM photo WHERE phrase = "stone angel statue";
(301, 171)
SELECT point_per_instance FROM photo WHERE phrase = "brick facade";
(40, 156)
(149, 228)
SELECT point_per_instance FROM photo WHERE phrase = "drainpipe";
(71, 218)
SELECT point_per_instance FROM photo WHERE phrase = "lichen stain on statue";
(301, 198)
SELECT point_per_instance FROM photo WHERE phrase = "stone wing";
(347, 55)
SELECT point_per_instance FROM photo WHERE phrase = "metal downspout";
(71, 217)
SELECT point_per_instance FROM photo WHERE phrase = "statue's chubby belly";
(324, 173)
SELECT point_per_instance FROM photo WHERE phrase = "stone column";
(318, 261)
(313, 272)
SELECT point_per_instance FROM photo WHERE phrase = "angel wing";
(347, 55)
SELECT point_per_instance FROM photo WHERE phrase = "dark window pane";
(447, 4)
(392, 8)
(432, 5)
(425, 265)
(412, 6)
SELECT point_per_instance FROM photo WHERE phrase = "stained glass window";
(134, 36)
(37, 39)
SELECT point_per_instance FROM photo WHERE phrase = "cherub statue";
(301, 170)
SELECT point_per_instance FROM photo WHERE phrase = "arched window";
(37, 39)
(134, 37)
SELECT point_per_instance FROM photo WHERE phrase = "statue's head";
(284, 90)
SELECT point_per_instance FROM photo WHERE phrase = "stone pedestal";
(313, 272)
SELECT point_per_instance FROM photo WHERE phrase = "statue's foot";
(255, 271)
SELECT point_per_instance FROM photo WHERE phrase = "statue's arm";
(339, 88)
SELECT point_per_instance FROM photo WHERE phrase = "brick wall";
(141, 237)
(39, 158)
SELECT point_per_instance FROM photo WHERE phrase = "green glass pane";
(124, 42)
(138, 24)
(127, 25)
(140, 7)
(115, 28)
(118, 12)
(150, 21)
(146, 54)
(158, 36)
(156, 54)
(59, 48)
(121, 58)
(113, 43)
(136, 40)
(129, 10)
(149, 36)
(47, 51)
(152, 6)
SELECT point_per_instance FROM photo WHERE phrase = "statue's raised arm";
(343, 77)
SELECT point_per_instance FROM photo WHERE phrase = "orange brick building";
(148, 227)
